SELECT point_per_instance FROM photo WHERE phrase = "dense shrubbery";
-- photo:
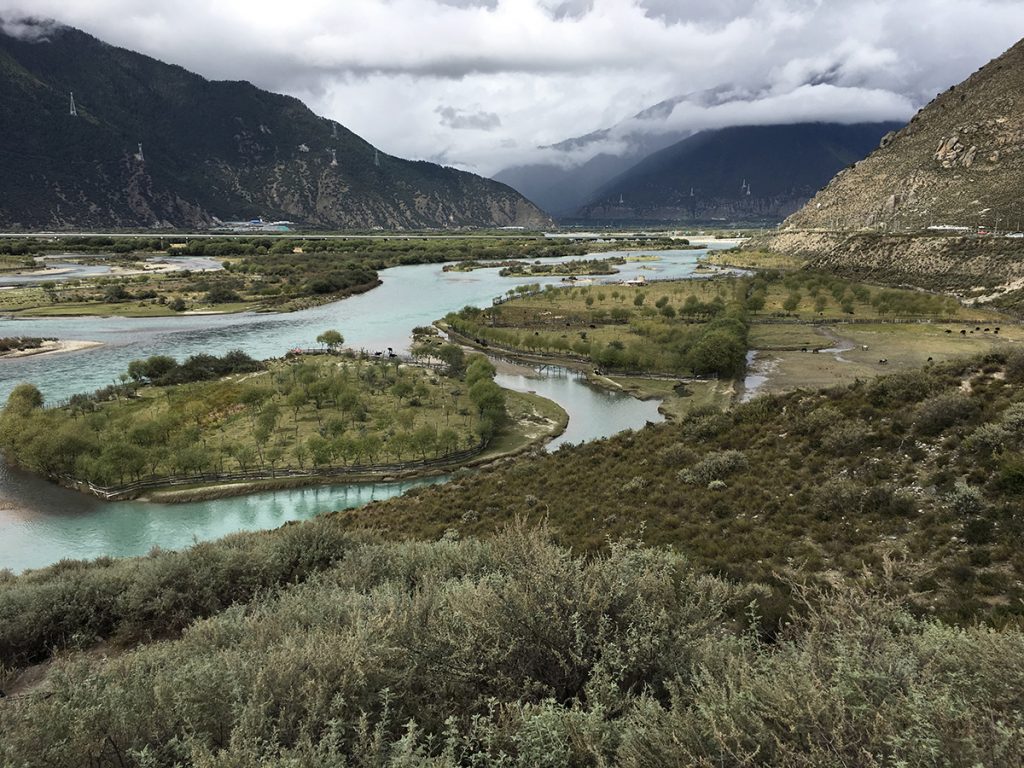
(514, 652)
(162, 369)
(835, 481)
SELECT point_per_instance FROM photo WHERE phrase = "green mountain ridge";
(209, 150)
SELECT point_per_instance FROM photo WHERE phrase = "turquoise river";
(41, 524)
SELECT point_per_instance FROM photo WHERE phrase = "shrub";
(943, 411)
(846, 438)
(965, 499)
(707, 426)
(715, 466)
(902, 388)
(1015, 366)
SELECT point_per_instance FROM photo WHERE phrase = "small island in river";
(212, 425)
(23, 346)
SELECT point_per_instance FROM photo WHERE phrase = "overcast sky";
(481, 84)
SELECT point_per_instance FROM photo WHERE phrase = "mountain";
(155, 145)
(743, 174)
(566, 182)
(959, 162)
(561, 188)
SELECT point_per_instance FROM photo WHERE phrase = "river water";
(41, 523)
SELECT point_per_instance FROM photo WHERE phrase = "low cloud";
(460, 120)
(28, 28)
(516, 75)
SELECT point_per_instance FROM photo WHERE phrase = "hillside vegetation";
(802, 622)
(516, 652)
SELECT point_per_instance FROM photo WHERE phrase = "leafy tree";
(453, 357)
(718, 352)
(24, 398)
(331, 339)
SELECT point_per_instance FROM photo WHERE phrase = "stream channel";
(41, 523)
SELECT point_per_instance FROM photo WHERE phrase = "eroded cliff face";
(959, 162)
(209, 150)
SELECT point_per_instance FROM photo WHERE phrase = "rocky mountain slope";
(155, 145)
(739, 174)
(959, 162)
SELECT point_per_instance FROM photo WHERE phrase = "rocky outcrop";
(959, 162)
(967, 267)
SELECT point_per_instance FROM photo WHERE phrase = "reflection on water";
(76, 526)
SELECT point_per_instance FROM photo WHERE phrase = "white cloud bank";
(482, 83)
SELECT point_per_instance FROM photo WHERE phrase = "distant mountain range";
(153, 145)
(744, 174)
(562, 188)
(959, 162)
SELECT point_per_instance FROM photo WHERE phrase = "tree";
(453, 357)
(718, 352)
(478, 369)
(489, 399)
(24, 398)
(331, 339)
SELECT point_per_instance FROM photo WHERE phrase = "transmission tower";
(139, 156)
(334, 159)
(74, 111)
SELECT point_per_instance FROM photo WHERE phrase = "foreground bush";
(514, 652)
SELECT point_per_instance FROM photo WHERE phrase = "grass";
(127, 309)
(903, 346)
(615, 327)
(532, 420)
(679, 399)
